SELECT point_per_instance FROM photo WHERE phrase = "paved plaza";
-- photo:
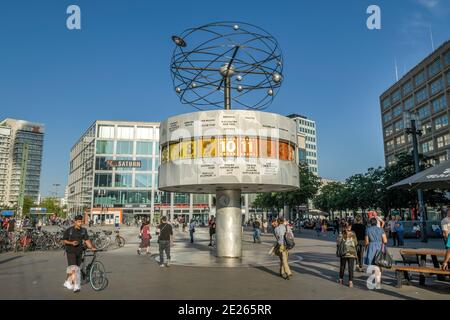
(196, 274)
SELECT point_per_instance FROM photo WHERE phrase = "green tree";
(28, 203)
(52, 206)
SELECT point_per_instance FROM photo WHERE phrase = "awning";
(7, 213)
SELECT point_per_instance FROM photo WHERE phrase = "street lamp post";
(422, 211)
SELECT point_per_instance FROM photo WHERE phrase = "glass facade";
(437, 86)
(438, 104)
(105, 147)
(421, 95)
(124, 147)
(419, 79)
(441, 122)
(434, 68)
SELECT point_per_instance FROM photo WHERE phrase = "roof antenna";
(431, 37)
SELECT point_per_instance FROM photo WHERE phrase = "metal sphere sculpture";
(224, 63)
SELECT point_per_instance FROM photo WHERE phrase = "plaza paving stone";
(40, 275)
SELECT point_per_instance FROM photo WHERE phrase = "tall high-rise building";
(307, 131)
(425, 92)
(21, 147)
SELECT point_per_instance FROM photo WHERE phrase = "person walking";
(399, 230)
(265, 225)
(192, 230)
(212, 229)
(375, 239)
(318, 227)
(165, 238)
(73, 240)
(347, 240)
(256, 232)
(360, 231)
(281, 250)
(393, 232)
(145, 238)
(445, 227)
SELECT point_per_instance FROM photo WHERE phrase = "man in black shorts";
(73, 240)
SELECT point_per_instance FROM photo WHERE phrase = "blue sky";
(117, 66)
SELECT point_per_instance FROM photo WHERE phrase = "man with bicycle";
(73, 240)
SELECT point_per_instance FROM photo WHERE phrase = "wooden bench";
(401, 273)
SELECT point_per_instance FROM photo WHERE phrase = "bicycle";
(94, 272)
(120, 241)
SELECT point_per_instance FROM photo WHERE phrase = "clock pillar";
(228, 223)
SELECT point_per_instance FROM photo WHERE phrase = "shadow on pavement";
(10, 259)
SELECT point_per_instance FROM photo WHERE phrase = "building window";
(386, 103)
(124, 147)
(421, 95)
(443, 141)
(390, 145)
(144, 148)
(125, 132)
(447, 58)
(407, 88)
(397, 111)
(427, 146)
(409, 103)
(387, 117)
(388, 131)
(143, 180)
(400, 140)
(103, 180)
(439, 104)
(396, 96)
(419, 78)
(105, 147)
(106, 132)
(144, 133)
(146, 164)
(123, 180)
(390, 160)
(448, 77)
(442, 158)
(437, 86)
(441, 122)
(424, 112)
(434, 68)
(100, 163)
(399, 125)
(426, 128)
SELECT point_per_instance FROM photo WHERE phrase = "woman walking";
(145, 238)
(375, 239)
(347, 242)
(360, 230)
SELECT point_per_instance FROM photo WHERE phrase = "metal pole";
(227, 92)
(422, 211)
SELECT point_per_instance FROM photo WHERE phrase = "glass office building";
(424, 92)
(21, 147)
(114, 176)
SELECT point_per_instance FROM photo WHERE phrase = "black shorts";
(74, 259)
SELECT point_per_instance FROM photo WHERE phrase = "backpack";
(289, 241)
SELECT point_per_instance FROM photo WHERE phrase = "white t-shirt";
(392, 225)
(445, 224)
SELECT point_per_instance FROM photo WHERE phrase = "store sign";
(123, 163)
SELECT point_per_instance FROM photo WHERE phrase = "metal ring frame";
(212, 61)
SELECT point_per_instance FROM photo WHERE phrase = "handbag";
(341, 249)
(383, 259)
